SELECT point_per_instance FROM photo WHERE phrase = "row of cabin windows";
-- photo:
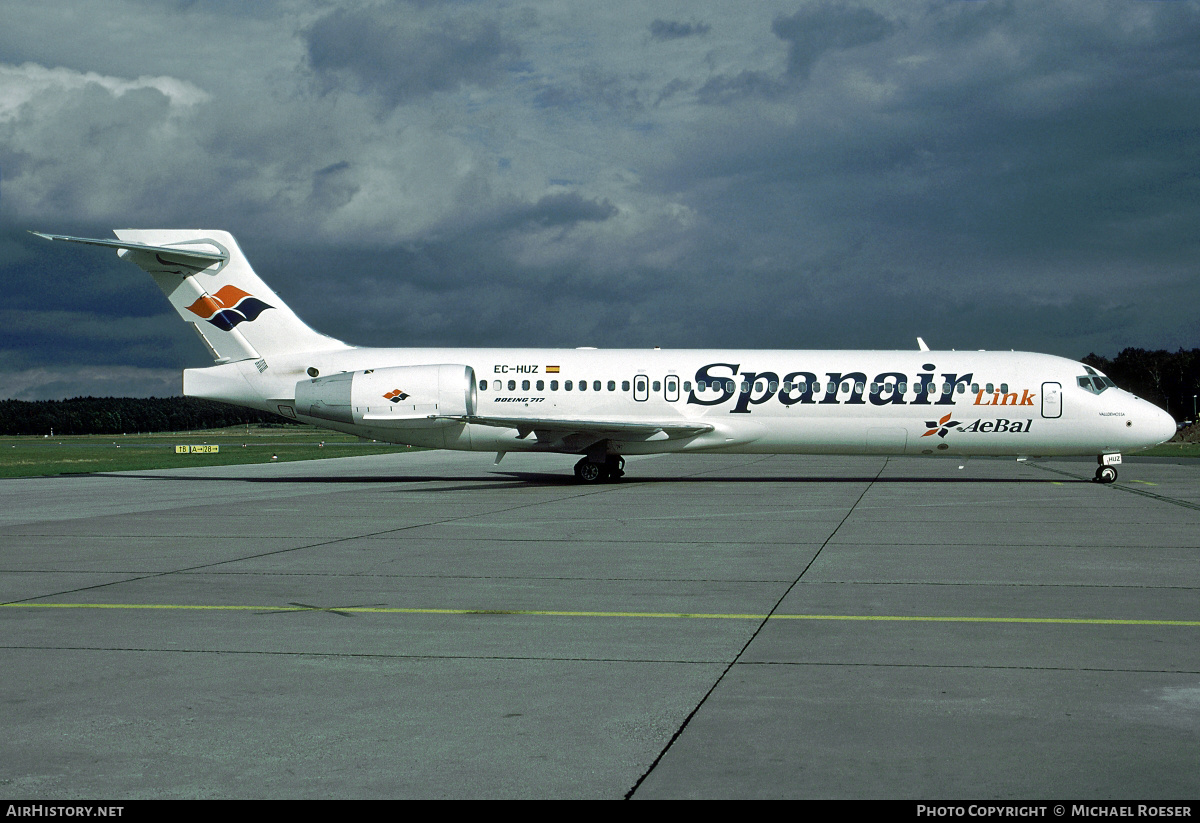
(744, 387)
(567, 385)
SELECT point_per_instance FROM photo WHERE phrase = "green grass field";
(81, 454)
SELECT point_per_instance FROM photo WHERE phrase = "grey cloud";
(724, 88)
(552, 211)
(391, 52)
(88, 381)
(823, 27)
(675, 30)
(334, 186)
(565, 209)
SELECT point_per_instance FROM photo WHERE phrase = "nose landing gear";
(1107, 472)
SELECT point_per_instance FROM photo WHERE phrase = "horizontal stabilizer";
(184, 253)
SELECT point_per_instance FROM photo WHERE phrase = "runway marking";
(878, 618)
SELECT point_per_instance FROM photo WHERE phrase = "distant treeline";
(124, 415)
(1168, 379)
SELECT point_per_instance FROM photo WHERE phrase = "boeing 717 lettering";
(605, 404)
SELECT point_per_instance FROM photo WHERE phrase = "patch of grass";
(82, 454)
(1175, 449)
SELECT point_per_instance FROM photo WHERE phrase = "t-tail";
(210, 283)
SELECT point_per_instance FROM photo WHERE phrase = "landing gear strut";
(589, 471)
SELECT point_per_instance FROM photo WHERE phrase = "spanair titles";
(719, 383)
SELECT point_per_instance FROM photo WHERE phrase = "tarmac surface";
(428, 625)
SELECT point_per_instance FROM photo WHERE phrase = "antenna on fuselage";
(921, 345)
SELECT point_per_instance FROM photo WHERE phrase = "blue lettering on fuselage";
(724, 381)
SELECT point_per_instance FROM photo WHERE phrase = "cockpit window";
(1095, 384)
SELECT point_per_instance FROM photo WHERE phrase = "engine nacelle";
(399, 396)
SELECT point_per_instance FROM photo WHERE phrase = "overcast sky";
(625, 173)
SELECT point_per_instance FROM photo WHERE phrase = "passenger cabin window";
(624, 385)
(483, 385)
(512, 385)
(567, 386)
(496, 385)
(553, 385)
(612, 385)
(583, 385)
(595, 385)
(524, 385)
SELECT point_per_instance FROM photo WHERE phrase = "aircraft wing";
(554, 429)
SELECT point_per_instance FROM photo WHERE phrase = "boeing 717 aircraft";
(605, 404)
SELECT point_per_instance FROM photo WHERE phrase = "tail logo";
(395, 395)
(228, 307)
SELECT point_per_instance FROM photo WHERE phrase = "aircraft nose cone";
(1162, 426)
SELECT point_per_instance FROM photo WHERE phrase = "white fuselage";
(755, 401)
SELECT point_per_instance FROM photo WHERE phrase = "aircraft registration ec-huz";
(604, 404)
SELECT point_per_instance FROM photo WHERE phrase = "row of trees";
(124, 415)
(1168, 379)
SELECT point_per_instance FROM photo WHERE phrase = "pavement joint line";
(878, 618)
(1124, 487)
(553, 659)
(762, 622)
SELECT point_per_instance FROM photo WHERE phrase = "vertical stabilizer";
(236, 314)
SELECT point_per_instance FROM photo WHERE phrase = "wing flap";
(558, 428)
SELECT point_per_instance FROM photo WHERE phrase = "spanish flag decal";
(552, 370)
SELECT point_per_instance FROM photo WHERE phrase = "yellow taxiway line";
(881, 618)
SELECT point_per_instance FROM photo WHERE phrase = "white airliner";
(603, 404)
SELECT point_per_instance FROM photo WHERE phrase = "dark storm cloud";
(675, 30)
(822, 174)
(387, 51)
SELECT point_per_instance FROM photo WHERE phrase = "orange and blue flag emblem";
(228, 307)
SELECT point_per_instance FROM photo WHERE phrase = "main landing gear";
(589, 471)
(1106, 472)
